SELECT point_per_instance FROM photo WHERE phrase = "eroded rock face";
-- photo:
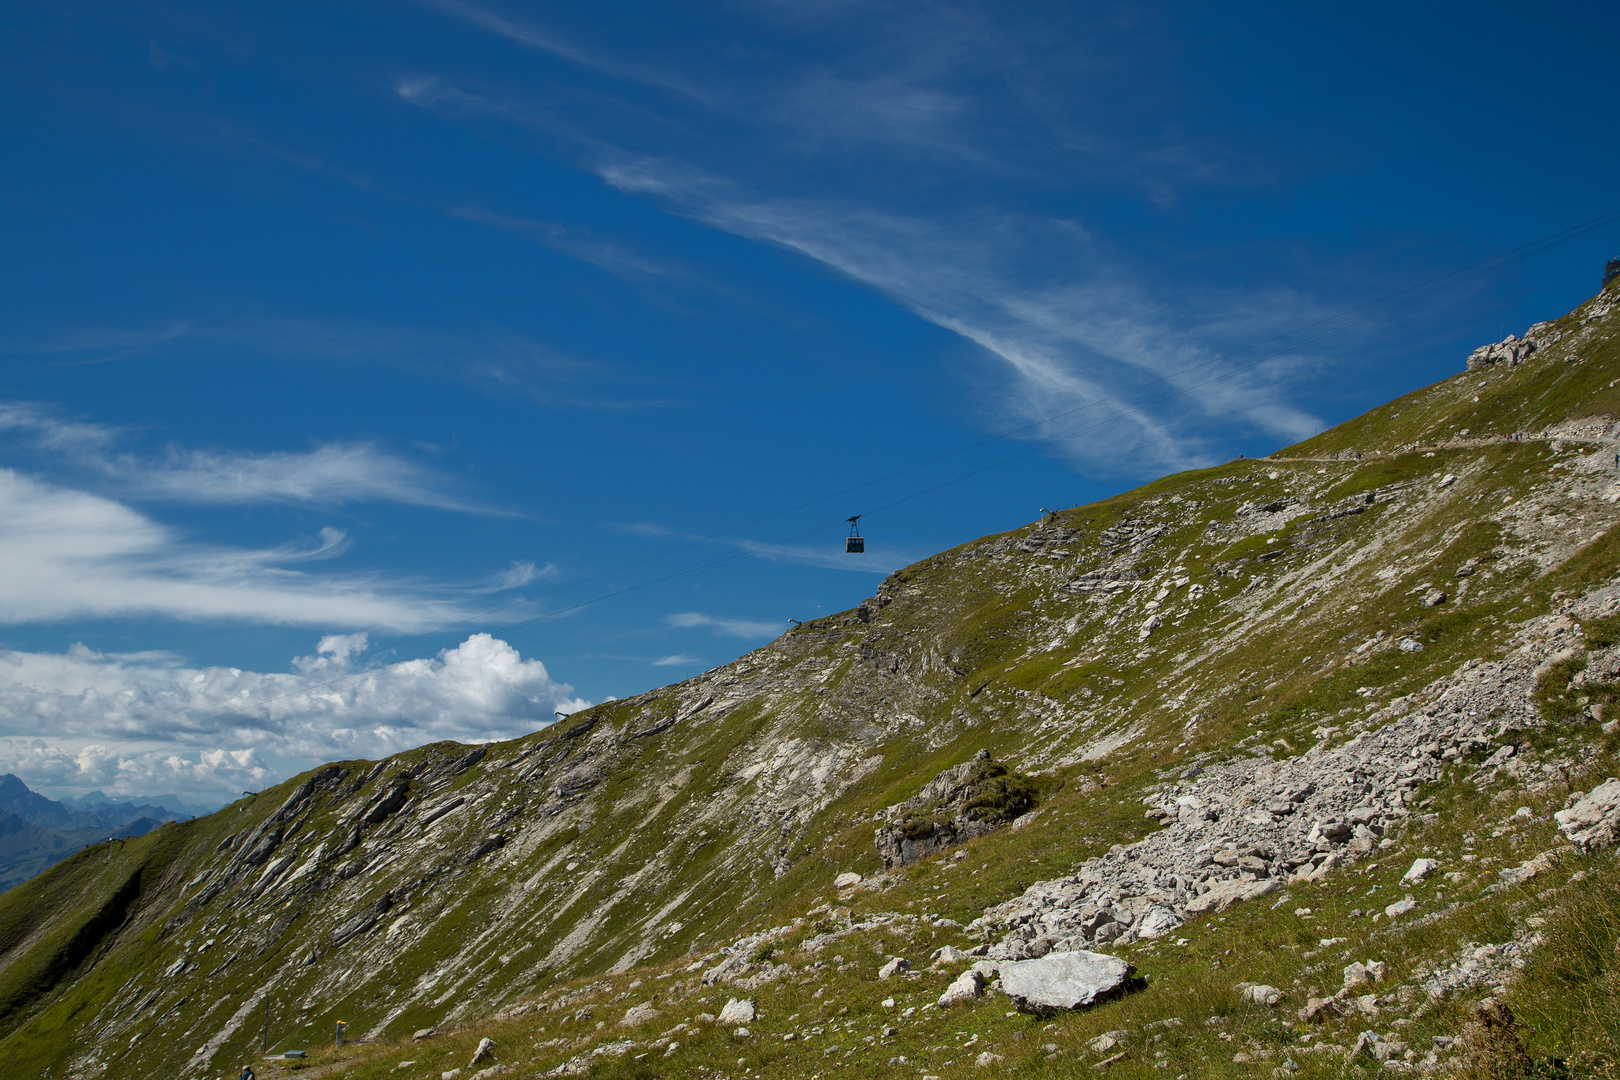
(1065, 980)
(1512, 349)
(972, 799)
(1241, 830)
(1593, 820)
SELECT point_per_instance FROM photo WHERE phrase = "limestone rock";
(1260, 993)
(1064, 980)
(1358, 974)
(424, 1033)
(1593, 820)
(1227, 893)
(1317, 1008)
(1399, 908)
(967, 987)
(1421, 870)
(1364, 1047)
(986, 1059)
(846, 879)
(485, 1051)
(1510, 350)
(897, 965)
(1107, 1041)
(737, 1011)
(1157, 921)
(637, 1015)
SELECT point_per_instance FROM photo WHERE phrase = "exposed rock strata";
(970, 800)
(1239, 830)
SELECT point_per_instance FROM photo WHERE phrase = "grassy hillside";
(1260, 611)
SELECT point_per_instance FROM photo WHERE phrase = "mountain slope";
(1277, 623)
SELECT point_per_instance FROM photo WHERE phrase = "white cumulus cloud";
(82, 720)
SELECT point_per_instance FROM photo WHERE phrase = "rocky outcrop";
(1513, 349)
(970, 800)
(1592, 820)
(1510, 350)
(1239, 830)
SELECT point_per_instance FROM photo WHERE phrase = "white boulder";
(1063, 980)
(1592, 820)
(967, 987)
(1399, 908)
(1358, 974)
(485, 1051)
(737, 1011)
(1260, 993)
(1157, 921)
(1421, 870)
(1227, 893)
(637, 1015)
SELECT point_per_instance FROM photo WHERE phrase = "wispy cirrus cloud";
(102, 343)
(499, 361)
(334, 473)
(68, 554)
(613, 256)
(827, 557)
(677, 660)
(647, 528)
(1077, 336)
(726, 626)
(1078, 339)
(521, 573)
(331, 474)
(532, 36)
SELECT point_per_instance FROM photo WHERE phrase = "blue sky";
(329, 329)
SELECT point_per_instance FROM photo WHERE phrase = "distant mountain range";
(36, 832)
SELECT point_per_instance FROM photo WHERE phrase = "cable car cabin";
(854, 544)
